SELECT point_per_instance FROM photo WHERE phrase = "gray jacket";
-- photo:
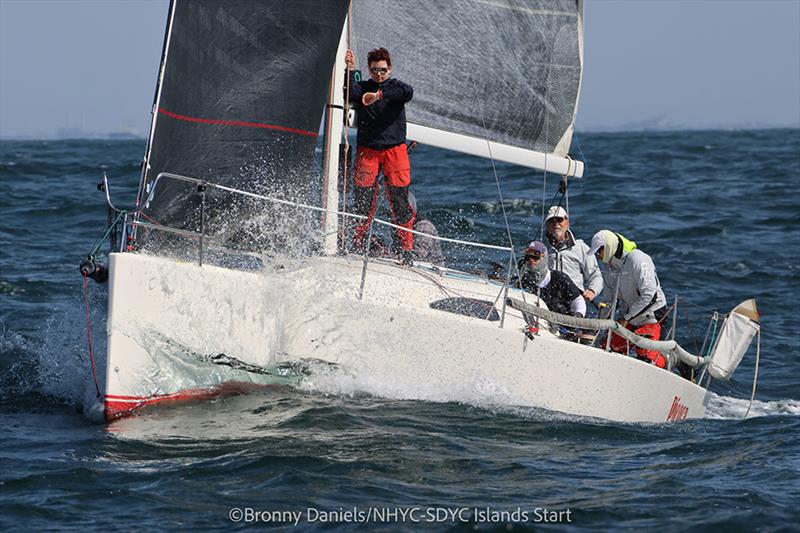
(639, 290)
(572, 257)
(425, 248)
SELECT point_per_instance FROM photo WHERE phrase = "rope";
(755, 373)
(713, 339)
(110, 228)
(505, 216)
(687, 302)
(499, 193)
(581, 155)
(89, 335)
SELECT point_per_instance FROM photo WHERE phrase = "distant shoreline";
(579, 131)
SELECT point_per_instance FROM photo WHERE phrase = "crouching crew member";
(557, 290)
(642, 301)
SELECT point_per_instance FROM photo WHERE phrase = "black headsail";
(240, 102)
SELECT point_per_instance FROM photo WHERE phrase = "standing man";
(570, 255)
(640, 293)
(381, 146)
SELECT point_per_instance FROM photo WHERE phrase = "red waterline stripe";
(119, 406)
(239, 123)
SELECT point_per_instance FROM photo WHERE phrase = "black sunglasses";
(555, 220)
(379, 70)
(535, 257)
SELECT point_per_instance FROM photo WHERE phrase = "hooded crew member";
(640, 293)
(556, 288)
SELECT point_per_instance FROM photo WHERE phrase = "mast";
(333, 137)
(156, 99)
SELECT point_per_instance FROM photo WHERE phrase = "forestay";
(501, 71)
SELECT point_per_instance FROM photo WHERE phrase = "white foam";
(348, 382)
(64, 370)
(726, 407)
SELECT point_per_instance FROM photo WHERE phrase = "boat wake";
(338, 380)
(726, 407)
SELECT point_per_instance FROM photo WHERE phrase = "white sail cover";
(735, 338)
(506, 71)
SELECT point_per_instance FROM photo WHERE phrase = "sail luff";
(566, 141)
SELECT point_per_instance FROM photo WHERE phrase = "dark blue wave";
(717, 210)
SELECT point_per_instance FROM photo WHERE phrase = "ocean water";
(718, 211)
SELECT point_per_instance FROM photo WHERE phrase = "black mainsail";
(239, 103)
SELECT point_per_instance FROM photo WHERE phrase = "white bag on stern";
(737, 333)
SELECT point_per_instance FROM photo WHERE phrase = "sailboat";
(232, 271)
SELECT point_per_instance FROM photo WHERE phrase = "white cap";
(556, 211)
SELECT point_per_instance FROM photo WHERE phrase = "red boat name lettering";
(678, 411)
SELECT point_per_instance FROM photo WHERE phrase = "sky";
(92, 64)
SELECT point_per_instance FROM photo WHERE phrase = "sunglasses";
(378, 70)
(533, 257)
(555, 220)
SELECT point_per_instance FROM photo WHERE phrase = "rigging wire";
(505, 215)
(500, 194)
(688, 302)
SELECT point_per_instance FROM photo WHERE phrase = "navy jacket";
(558, 294)
(382, 124)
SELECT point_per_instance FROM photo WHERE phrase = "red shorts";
(394, 161)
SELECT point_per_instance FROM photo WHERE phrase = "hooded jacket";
(572, 257)
(639, 290)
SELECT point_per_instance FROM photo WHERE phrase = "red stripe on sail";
(239, 123)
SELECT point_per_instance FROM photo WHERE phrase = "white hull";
(165, 317)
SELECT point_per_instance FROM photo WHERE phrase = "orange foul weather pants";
(397, 170)
(651, 331)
